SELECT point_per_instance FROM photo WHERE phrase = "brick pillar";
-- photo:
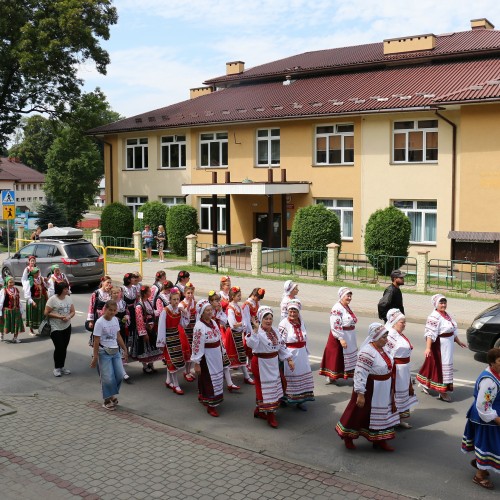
(137, 239)
(96, 237)
(191, 249)
(332, 261)
(422, 270)
(256, 257)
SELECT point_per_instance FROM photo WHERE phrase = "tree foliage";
(117, 220)
(51, 212)
(313, 228)
(43, 43)
(387, 238)
(154, 214)
(182, 220)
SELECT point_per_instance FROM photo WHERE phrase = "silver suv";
(77, 258)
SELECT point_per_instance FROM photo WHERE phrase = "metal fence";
(310, 263)
(236, 257)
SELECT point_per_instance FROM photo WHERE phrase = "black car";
(484, 333)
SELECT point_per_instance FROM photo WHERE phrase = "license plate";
(88, 264)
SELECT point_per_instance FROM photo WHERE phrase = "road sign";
(9, 213)
(8, 197)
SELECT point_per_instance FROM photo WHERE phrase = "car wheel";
(5, 272)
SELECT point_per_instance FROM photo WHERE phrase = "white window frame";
(216, 141)
(268, 141)
(174, 200)
(418, 126)
(135, 202)
(221, 216)
(140, 144)
(336, 132)
(332, 204)
(167, 144)
(424, 212)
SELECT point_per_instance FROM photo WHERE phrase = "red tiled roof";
(15, 170)
(398, 88)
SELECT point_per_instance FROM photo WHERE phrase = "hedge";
(182, 220)
(117, 220)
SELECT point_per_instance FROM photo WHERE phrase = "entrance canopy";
(249, 188)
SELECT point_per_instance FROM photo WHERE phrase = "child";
(188, 306)
(123, 320)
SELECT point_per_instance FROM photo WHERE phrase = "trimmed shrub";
(313, 228)
(117, 220)
(182, 220)
(387, 238)
(154, 214)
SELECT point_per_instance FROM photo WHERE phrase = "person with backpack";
(392, 298)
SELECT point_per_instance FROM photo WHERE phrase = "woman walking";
(10, 310)
(339, 357)
(36, 297)
(59, 311)
(441, 334)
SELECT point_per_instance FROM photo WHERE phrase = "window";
(423, 218)
(28, 187)
(170, 201)
(344, 211)
(173, 151)
(137, 154)
(25, 252)
(213, 149)
(415, 141)
(268, 146)
(335, 144)
(135, 202)
(22, 187)
(206, 214)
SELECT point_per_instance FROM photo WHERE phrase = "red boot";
(349, 444)
(259, 414)
(212, 411)
(271, 420)
(382, 445)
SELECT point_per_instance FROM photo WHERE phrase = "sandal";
(109, 405)
(189, 377)
(114, 400)
(484, 483)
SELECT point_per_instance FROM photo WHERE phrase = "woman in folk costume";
(482, 431)
(220, 317)
(56, 277)
(441, 334)
(163, 298)
(31, 264)
(170, 339)
(399, 348)
(233, 336)
(339, 357)
(371, 412)
(290, 291)
(98, 299)
(299, 382)
(36, 297)
(268, 349)
(207, 358)
(225, 286)
(10, 310)
(249, 313)
(188, 306)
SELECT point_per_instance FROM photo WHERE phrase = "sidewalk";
(313, 296)
(60, 448)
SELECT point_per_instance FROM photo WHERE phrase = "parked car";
(78, 259)
(484, 333)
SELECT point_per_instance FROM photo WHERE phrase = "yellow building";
(410, 122)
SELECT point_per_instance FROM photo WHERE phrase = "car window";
(43, 251)
(81, 251)
(25, 252)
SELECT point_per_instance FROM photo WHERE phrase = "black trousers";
(60, 338)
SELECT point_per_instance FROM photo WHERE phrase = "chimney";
(481, 24)
(409, 44)
(235, 67)
(199, 91)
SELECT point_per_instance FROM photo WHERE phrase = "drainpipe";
(453, 176)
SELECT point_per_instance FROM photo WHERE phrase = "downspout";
(453, 177)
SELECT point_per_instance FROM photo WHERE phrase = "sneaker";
(65, 371)
(57, 372)
(15, 340)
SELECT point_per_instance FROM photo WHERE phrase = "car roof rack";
(61, 233)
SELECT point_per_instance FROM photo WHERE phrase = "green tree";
(181, 221)
(43, 43)
(51, 212)
(313, 228)
(387, 238)
(117, 220)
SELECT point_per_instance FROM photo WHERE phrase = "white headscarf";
(288, 287)
(344, 291)
(294, 304)
(393, 316)
(375, 331)
(436, 299)
(200, 308)
(263, 310)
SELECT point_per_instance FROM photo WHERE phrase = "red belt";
(450, 334)
(401, 361)
(296, 345)
(265, 355)
(347, 328)
(212, 345)
(387, 376)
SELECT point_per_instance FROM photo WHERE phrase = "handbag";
(45, 328)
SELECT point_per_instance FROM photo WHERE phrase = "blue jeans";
(111, 373)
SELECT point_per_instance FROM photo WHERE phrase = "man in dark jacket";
(392, 298)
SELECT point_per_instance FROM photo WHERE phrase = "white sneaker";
(65, 371)
(57, 372)
(16, 341)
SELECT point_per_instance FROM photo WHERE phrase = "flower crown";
(235, 289)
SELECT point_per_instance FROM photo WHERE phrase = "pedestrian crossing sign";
(8, 197)
(9, 213)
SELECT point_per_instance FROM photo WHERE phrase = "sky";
(160, 49)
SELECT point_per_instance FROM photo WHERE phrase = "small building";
(100, 197)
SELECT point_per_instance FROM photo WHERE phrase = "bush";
(182, 220)
(154, 214)
(387, 235)
(117, 220)
(313, 228)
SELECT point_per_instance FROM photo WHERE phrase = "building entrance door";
(262, 231)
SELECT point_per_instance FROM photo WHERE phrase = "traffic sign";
(8, 197)
(9, 213)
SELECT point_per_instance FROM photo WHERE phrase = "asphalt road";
(427, 461)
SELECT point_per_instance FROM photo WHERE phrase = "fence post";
(191, 249)
(96, 237)
(20, 233)
(137, 239)
(332, 261)
(422, 270)
(256, 258)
